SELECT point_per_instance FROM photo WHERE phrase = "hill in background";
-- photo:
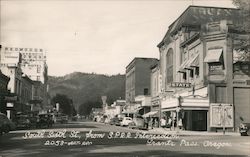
(86, 88)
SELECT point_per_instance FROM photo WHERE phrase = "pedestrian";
(146, 123)
(151, 123)
(163, 122)
(180, 123)
(156, 123)
(170, 122)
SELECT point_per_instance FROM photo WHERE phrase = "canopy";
(150, 114)
(213, 56)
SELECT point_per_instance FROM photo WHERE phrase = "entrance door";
(199, 120)
(241, 105)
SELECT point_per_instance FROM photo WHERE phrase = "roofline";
(197, 6)
(190, 6)
(136, 58)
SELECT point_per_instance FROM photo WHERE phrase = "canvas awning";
(183, 67)
(150, 114)
(194, 62)
(213, 56)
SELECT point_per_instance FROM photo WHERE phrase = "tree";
(66, 103)
(244, 24)
(86, 107)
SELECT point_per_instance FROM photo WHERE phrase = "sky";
(99, 36)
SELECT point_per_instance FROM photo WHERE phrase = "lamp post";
(177, 112)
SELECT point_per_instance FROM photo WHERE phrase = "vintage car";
(114, 121)
(138, 123)
(44, 121)
(23, 122)
(244, 129)
(6, 124)
(61, 118)
(126, 121)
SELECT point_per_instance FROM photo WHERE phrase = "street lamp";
(177, 111)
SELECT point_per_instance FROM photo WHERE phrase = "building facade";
(187, 89)
(33, 62)
(27, 70)
(138, 78)
(4, 80)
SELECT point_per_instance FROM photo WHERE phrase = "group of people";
(166, 122)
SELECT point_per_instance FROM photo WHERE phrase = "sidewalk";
(191, 133)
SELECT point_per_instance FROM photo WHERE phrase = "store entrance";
(199, 120)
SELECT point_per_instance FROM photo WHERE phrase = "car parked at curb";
(6, 124)
(126, 121)
(244, 129)
(44, 121)
(23, 122)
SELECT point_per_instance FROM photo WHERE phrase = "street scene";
(85, 138)
(125, 78)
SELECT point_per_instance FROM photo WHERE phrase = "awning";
(213, 56)
(194, 62)
(183, 67)
(150, 114)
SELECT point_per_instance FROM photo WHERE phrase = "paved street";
(97, 139)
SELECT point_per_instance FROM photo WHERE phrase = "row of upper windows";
(23, 49)
(36, 56)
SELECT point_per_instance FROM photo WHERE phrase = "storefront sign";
(221, 115)
(10, 98)
(180, 85)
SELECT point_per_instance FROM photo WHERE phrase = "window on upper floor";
(197, 71)
(169, 66)
(38, 69)
(184, 76)
(146, 91)
(191, 73)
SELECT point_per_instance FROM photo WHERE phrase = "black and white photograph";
(124, 78)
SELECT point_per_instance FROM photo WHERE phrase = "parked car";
(23, 122)
(44, 120)
(61, 118)
(138, 123)
(126, 121)
(244, 129)
(6, 124)
(114, 121)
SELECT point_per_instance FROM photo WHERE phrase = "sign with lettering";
(221, 115)
(10, 98)
(180, 85)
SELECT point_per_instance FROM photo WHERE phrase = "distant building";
(10, 66)
(138, 77)
(33, 62)
(4, 80)
(26, 94)
(27, 70)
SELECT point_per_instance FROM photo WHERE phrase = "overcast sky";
(100, 36)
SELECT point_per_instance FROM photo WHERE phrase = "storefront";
(186, 112)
